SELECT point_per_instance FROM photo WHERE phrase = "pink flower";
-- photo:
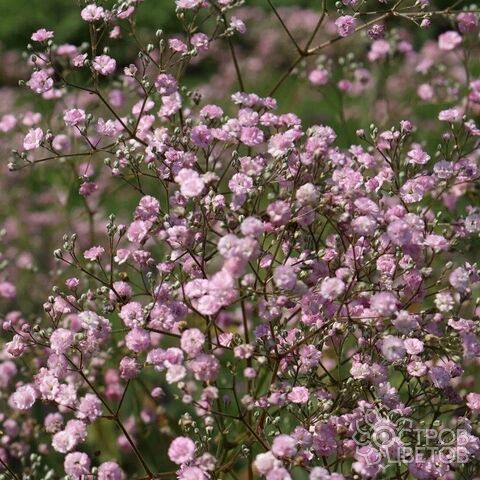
(7, 290)
(77, 429)
(192, 473)
(298, 395)
(61, 143)
(467, 22)
(93, 253)
(238, 25)
(89, 408)
(129, 368)
(148, 208)
(473, 402)
(125, 11)
(345, 25)
(191, 184)
(42, 35)
(74, 117)
(379, 49)
(166, 84)
(384, 303)
(399, 232)
(331, 288)
(307, 195)
(131, 314)
(79, 60)
(364, 225)
(181, 450)
(92, 13)
(175, 373)
(201, 136)
(53, 422)
(110, 471)
(437, 242)
(7, 123)
(413, 346)
(171, 104)
(252, 226)
(104, 64)
(285, 277)
(211, 112)
(61, 340)
(33, 139)
(284, 446)
(177, 45)
(137, 232)
(451, 115)
(459, 279)
(200, 41)
(449, 40)
(188, 4)
(425, 92)
(77, 465)
(392, 348)
(279, 212)
(240, 184)
(319, 76)
(23, 398)
(251, 136)
(418, 156)
(138, 340)
(87, 188)
(64, 441)
(265, 462)
(254, 242)
(280, 143)
(16, 347)
(205, 367)
(417, 369)
(40, 81)
(192, 341)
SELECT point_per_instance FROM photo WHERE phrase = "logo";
(384, 438)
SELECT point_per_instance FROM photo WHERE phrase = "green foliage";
(21, 17)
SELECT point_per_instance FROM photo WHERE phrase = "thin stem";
(9, 470)
(114, 416)
(317, 27)
(235, 63)
(287, 31)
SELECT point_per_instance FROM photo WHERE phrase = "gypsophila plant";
(264, 232)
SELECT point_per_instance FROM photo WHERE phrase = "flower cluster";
(244, 283)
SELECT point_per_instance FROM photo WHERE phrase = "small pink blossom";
(74, 117)
(92, 13)
(23, 398)
(42, 35)
(188, 4)
(93, 253)
(33, 139)
(104, 64)
(449, 40)
(298, 395)
(451, 115)
(345, 25)
(319, 76)
(61, 340)
(181, 450)
(473, 402)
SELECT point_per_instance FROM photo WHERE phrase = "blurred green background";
(21, 17)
